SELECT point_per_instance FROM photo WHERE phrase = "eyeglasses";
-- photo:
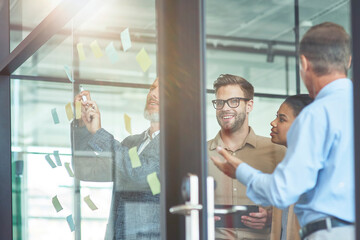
(231, 102)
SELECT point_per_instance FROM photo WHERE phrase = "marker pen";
(84, 98)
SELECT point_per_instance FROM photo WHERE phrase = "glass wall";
(109, 49)
(254, 40)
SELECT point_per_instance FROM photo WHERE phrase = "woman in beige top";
(285, 116)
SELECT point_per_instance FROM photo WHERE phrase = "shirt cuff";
(244, 173)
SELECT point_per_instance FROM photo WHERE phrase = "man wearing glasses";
(233, 104)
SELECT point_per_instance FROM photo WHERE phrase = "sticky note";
(96, 49)
(154, 183)
(143, 59)
(127, 120)
(77, 109)
(134, 157)
(125, 39)
(19, 167)
(68, 169)
(90, 203)
(55, 116)
(112, 53)
(69, 112)
(68, 73)
(70, 221)
(57, 158)
(81, 52)
(56, 203)
(48, 159)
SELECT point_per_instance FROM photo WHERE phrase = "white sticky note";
(134, 157)
(96, 49)
(125, 39)
(90, 203)
(50, 161)
(56, 204)
(112, 53)
(68, 73)
(57, 158)
(154, 183)
(81, 52)
(68, 169)
(127, 120)
(70, 221)
(69, 112)
(143, 60)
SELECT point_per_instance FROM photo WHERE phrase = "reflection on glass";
(23, 20)
(132, 165)
(252, 40)
(101, 43)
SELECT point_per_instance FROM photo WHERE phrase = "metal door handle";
(191, 208)
(185, 209)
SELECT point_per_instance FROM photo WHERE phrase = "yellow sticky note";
(154, 183)
(56, 203)
(68, 169)
(143, 59)
(69, 112)
(90, 203)
(78, 110)
(127, 120)
(96, 49)
(81, 52)
(134, 157)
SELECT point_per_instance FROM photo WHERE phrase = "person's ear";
(249, 106)
(349, 63)
(305, 64)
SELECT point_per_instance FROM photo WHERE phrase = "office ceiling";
(232, 26)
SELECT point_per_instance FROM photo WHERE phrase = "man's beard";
(236, 125)
(152, 117)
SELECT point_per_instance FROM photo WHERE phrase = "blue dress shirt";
(318, 169)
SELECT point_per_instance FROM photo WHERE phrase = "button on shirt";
(318, 169)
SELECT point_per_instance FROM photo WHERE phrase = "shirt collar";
(153, 135)
(333, 86)
(250, 139)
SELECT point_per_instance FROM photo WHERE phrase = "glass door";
(251, 53)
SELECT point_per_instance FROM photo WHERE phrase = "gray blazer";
(135, 212)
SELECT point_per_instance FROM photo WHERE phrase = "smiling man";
(233, 104)
(98, 157)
